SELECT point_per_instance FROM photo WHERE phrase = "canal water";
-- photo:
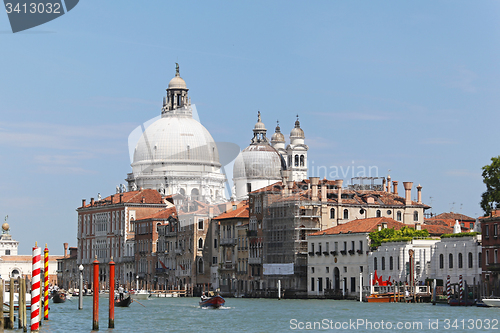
(271, 315)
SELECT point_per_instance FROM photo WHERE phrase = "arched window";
(383, 263)
(450, 260)
(471, 262)
(194, 194)
(200, 266)
(375, 264)
(460, 261)
(398, 216)
(415, 216)
(301, 160)
(200, 243)
(346, 214)
(296, 160)
(332, 213)
(15, 273)
(379, 213)
(441, 261)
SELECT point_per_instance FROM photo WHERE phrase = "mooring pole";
(95, 317)
(111, 323)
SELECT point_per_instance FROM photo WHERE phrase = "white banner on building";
(278, 269)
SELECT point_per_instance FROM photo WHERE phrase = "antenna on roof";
(452, 206)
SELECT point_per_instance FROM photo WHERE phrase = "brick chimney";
(324, 193)
(419, 194)
(389, 183)
(395, 187)
(314, 188)
(83, 202)
(65, 250)
(383, 184)
(384, 225)
(143, 200)
(91, 201)
(407, 186)
(121, 197)
(379, 227)
(418, 226)
(339, 183)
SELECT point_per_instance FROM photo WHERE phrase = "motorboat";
(139, 294)
(493, 302)
(213, 302)
(6, 298)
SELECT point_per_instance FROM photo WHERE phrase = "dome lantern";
(177, 94)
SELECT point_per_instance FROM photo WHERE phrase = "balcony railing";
(228, 241)
(255, 261)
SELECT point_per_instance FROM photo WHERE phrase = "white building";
(176, 154)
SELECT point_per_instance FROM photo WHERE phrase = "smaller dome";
(278, 136)
(5, 226)
(177, 83)
(297, 131)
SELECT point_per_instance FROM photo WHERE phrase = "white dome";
(176, 139)
(177, 83)
(258, 162)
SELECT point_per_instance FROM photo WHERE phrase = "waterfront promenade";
(266, 315)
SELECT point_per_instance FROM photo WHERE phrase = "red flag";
(162, 264)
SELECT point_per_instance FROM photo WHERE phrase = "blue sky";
(411, 87)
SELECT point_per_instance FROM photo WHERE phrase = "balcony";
(228, 266)
(251, 233)
(326, 253)
(343, 252)
(493, 267)
(228, 241)
(351, 252)
(255, 261)
(334, 253)
(160, 270)
(178, 251)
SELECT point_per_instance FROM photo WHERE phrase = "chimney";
(383, 184)
(389, 183)
(143, 200)
(290, 186)
(384, 225)
(65, 249)
(323, 192)
(83, 202)
(407, 186)
(379, 227)
(395, 187)
(210, 211)
(112, 195)
(418, 226)
(91, 201)
(314, 188)
(339, 183)
(419, 194)
(121, 197)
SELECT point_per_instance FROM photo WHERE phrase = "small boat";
(380, 298)
(58, 297)
(139, 294)
(124, 302)
(457, 302)
(214, 302)
(493, 302)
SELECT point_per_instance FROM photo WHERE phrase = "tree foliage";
(490, 199)
(391, 235)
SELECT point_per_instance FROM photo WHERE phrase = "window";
(302, 163)
(312, 269)
(312, 284)
(320, 284)
(361, 269)
(328, 269)
(312, 247)
(249, 187)
(487, 231)
(441, 261)
(391, 263)
(398, 216)
(353, 284)
(487, 261)
(332, 213)
(7, 252)
(479, 259)
(352, 245)
(471, 226)
(470, 260)
(200, 266)
(383, 263)
(214, 260)
(379, 214)
(200, 243)
(375, 264)
(415, 216)
(215, 243)
(460, 261)
(450, 260)
(296, 160)
(495, 257)
(495, 230)
(200, 224)
(360, 246)
(327, 283)
(346, 214)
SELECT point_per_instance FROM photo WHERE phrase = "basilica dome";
(175, 139)
(258, 162)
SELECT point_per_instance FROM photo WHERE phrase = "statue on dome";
(117, 189)
(177, 69)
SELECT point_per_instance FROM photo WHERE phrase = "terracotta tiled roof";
(161, 215)
(455, 216)
(437, 229)
(150, 196)
(242, 212)
(436, 221)
(361, 226)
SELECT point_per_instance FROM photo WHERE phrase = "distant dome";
(258, 162)
(5, 226)
(297, 131)
(177, 83)
(259, 126)
(175, 139)
(278, 136)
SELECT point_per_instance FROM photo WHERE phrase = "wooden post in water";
(111, 323)
(95, 286)
(10, 323)
(25, 316)
(1, 302)
(20, 303)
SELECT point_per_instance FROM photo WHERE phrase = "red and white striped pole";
(35, 288)
(46, 283)
(448, 289)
